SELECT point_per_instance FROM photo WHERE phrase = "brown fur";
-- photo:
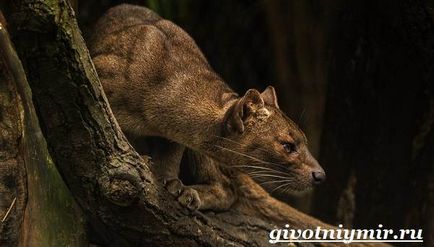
(159, 84)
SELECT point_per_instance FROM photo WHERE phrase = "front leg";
(212, 189)
(207, 197)
(166, 158)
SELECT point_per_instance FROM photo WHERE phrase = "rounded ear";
(241, 110)
(269, 96)
(252, 102)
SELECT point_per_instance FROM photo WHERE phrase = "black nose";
(318, 177)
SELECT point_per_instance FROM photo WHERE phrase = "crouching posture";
(166, 97)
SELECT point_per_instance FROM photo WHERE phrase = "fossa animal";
(163, 92)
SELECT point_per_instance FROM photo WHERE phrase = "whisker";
(240, 144)
(278, 187)
(268, 175)
(301, 115)
(251, 157)
(255, 167)
(268, 162)
(267, 172)
(288, 187)
(260, 168)
(245, 155)
(276, 164)
(275, 181)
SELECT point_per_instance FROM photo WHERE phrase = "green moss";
(55, 219)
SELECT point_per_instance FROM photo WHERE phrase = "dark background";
(357, 76)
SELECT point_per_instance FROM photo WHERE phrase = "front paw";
(174, 186)
(189, 198)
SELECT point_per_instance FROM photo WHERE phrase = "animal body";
(164, 93)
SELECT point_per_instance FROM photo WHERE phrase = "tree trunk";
(378, 137)
(36, 195)
(12, 172)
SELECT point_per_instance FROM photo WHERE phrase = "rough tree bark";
(110, 181)
(378, 134)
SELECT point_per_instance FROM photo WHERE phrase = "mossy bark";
(12, 168)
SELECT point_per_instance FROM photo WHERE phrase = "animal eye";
(289, 147)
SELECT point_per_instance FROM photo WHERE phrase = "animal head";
(262, 141)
